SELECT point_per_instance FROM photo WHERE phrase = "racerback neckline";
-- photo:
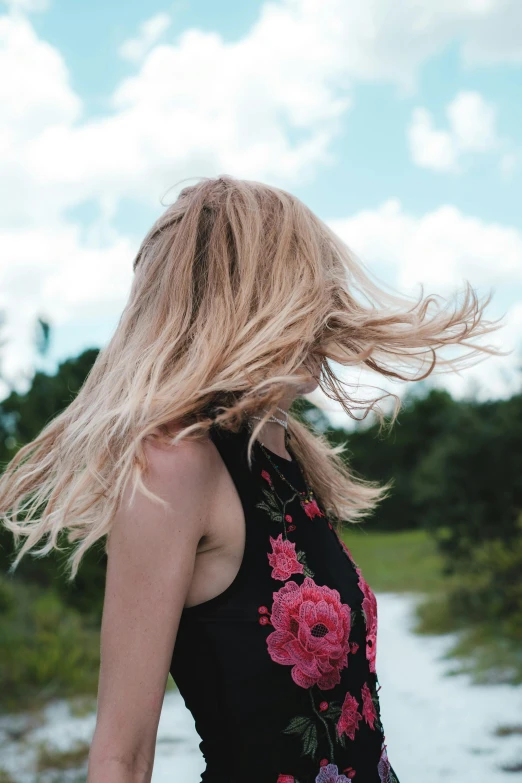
(290, 469)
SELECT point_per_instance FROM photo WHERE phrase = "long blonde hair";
(239, 293)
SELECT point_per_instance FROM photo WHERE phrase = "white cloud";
(497, 376)
(472, 129)
(494, 377)
(441, 249)
(150, 31)
(429, 147)
(34, 91)
(495, 37)
(26, 5)
(473, 122)
(53, 269)
(266, 106)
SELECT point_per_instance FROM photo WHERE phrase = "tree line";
(456, 467)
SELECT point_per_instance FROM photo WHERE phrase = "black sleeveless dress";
(278, 670)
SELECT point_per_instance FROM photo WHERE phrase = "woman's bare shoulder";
(188, 455)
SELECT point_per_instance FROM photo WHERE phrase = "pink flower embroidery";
(286, 779)
(312, 509)
(330, 774)
(312, 629)
(368, 707)
(350, 717)
(369, 607)
(266, 475)
(283, 559)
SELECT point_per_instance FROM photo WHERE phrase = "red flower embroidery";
(288, 517)
(348, 722)
(353, 647)
(368, 708)
(323, 762)
(285, 779)
(312, 628)
(283, 559)
(369, 607)
(330, 774)
(323, 706)
(312, 509)
(266, 475)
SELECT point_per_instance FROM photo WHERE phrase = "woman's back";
(278, 669)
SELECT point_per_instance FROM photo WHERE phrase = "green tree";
(396, 453)
(22, 417)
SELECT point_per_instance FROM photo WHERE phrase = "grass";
(49, 758)
(408, 561)
(396, 562)
(480, 650)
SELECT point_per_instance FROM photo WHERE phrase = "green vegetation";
(49, 758)
(398, 562)
(46, 648)
(451, 528)
(409, 561)
(457, 473)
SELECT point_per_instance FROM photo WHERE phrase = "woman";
(221, 512)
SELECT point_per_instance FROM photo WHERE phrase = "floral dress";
(278, 670)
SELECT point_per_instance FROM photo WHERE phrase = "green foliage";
(457, 472)
(50, 758)
(22, 417)
(482, 598)
(469, 481)
(408, 561)
(46, 649)
(396, 453)
(482, 649)
(456, 468)
(491, 586)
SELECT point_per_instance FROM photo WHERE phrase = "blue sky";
(400, 125)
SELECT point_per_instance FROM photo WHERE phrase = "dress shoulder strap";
(232, 447)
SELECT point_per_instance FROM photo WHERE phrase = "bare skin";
(220, 553)
(158, 562)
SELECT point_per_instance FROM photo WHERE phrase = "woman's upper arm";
(150, 560)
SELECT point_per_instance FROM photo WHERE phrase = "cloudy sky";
(398, 123)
